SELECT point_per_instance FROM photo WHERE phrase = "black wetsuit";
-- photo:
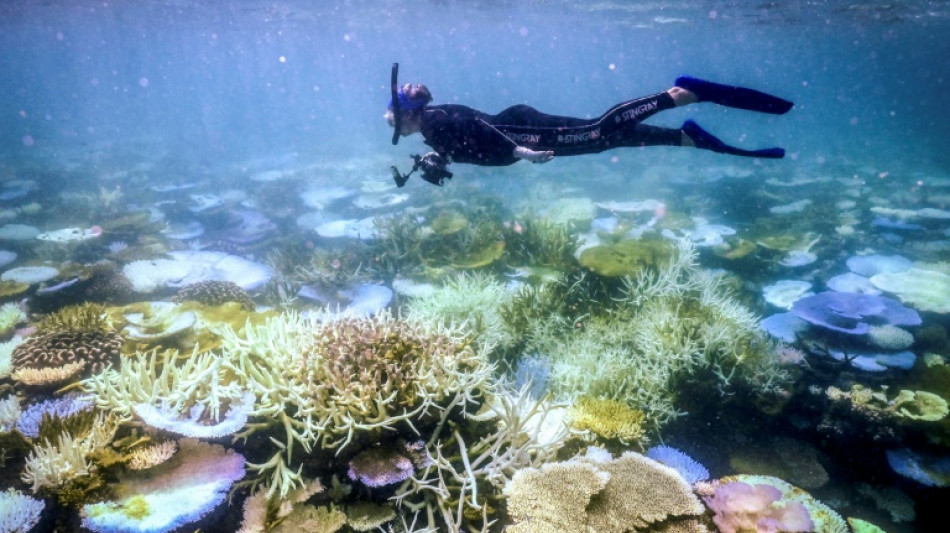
(467, 135)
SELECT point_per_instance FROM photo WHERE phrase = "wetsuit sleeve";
(465, 137)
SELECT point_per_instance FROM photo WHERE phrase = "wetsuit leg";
(619, 126)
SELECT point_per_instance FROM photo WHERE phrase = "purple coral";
(853, 313)
(740, 506)
(63, 407)
(381, 466)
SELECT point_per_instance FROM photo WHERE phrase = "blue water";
(176, 91)
(220, 80)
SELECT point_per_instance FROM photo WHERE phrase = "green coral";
(627, 258)
(907, 404)
(861, 526)
(920, 405)
(539, 242)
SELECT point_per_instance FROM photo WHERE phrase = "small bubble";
(28, 140)
(282, 59)
(713, 14)
(614, 159)
(523, 31)
(143, 82)
(612, 66)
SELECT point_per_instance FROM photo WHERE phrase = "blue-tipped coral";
(18, 512)
(63, 407)
(688, 467)
(929, 470)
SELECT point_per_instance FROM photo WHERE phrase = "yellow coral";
(311, 519)
(48, 376)
(607, 418)
(84, 317)
(920, 405)
(367, 516)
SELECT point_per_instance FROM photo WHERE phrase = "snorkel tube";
(393, 90)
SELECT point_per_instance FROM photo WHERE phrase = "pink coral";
(741, 507)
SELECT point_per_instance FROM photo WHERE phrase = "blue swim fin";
(738, 97)
(707, 141)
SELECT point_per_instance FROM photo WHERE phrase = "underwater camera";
(432, 166)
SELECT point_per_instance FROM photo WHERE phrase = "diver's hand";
(531, 155)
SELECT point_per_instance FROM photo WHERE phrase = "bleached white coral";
(6, 355)
(175, 493)
(9, 413)
(670, 323)
(10, 315)
(152, 274)
(163, 417)
(53, 464)
(472, 300)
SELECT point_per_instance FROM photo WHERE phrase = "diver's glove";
(534, 156)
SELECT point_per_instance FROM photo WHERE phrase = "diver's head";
(411, 102)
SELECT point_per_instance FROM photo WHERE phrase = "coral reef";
(470, 300)
(213, 293)
(170, 495)
(10, 316)
(598, 493)
(668, 324)
(627, 257)
(64, 355)
(752, 502)
(608, 419)
(741, 507)
(685, 465)
(19, 512)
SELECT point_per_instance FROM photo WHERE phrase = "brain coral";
(74, 350)
(213, 293)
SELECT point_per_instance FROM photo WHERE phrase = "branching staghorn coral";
(667, 324)
(165, 378)
(325, 380)
(53, 465)
(460, 489)
(469, 300)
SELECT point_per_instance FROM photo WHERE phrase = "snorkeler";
(464, 135)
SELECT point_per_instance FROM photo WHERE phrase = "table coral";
(742, 507)
(175, 493)
(599, 494)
